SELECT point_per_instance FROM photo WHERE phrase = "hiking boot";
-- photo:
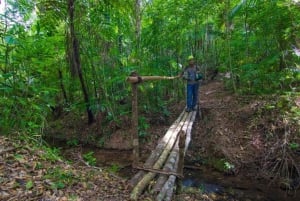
(187, 109)
(195, 108)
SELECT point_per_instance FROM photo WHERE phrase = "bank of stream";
(232, 129)
(197, 179)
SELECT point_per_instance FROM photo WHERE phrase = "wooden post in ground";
(135, 79)
(135, 132)
(181, 145)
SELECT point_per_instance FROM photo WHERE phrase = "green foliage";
(143, 126)
(250, 40)
(114, 168)
(73, 142)
(228, 166)
(284, 109)
(101, 141)
(18, 157)
(57, 185)
(51, 154)
(60, 177)
(90, 158)
(29, 185)
(221, 165)
(294, 146)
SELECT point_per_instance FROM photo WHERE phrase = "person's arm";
(180, 74)
(199, 75)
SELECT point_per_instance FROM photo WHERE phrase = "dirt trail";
(223, 131)
(233, 137)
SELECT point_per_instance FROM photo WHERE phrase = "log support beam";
(135, 79)
(135, 124)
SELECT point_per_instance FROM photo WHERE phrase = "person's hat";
(190, 57)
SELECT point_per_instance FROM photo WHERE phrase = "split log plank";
(169, 166)
(168, 188)
(138, 189)
(174, 156)
(159, 148)
(169, 152)
(189, 132)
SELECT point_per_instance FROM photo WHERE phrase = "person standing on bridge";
(192, 76)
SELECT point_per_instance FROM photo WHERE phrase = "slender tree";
(74, 58)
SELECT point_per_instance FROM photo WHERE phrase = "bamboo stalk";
(181, 144)
(180, 165)
(135, 134)
(172, 162)
(149, 176)
(189, 132)
(136, 79)
(169, 166)
(167, 189)
(159, 171)
(158, 150)
(169, 152)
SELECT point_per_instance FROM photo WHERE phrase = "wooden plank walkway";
(158, 174)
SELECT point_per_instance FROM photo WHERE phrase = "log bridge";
(165, 164)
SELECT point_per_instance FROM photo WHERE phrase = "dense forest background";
(74, 56)
(63, 70)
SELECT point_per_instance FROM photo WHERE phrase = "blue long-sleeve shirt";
(190, 74)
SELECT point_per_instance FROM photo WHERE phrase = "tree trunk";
(138, 30)
(62, 86)
(75, 59)
(228, 44)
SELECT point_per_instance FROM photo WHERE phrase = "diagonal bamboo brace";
(138, 79)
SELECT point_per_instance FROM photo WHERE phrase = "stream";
(232, 188)
(214, 184)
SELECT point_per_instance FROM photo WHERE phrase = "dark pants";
(192, 95)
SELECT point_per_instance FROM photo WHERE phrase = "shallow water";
(203, 186)
(216, 185)
(237, 188)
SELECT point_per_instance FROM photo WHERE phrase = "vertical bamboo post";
(135, 79)
(181, 144)
(135, 134)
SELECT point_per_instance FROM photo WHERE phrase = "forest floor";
(249, 144)
(235, 136)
